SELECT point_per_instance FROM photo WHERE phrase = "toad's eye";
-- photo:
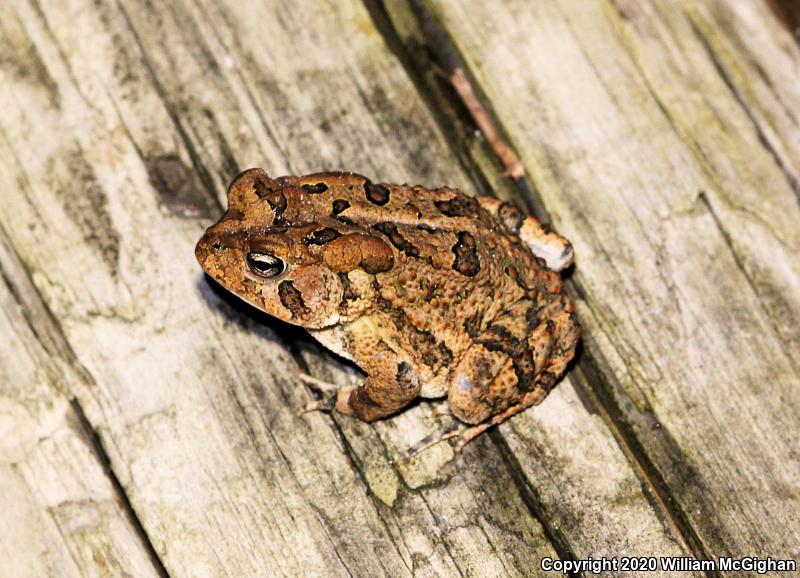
(265, 265)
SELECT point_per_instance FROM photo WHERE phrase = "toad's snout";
(208, 243)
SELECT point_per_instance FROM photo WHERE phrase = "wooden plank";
(744, 64)
(116, 148)
(62, 514)
(684, 223)
(760, 64)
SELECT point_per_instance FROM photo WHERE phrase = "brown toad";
(430, 292)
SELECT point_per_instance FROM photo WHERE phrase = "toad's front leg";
(391, 384)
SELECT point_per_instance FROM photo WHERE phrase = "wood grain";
(62, 512)
(154, 418)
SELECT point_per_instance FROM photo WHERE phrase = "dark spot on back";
(261, 188)
(445, 354)
(513, 272)
(466, 261)
(402, 244)
(427, 228)
(472, 325)
(411, 207)
(348, 292)
(459, 206)
(377, 194)
(511, 216)
(406, 377)
(532, 317)
(547, 379)
(339, 205)
(292, 299)
(275, 198)
(322, 236)
(498, 338)
(483, 369)
(434, 354)
(315, 189)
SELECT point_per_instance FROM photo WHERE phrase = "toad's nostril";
(216, 246)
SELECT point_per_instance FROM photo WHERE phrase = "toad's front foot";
(317, 384)
(338, 400)
(327, 403)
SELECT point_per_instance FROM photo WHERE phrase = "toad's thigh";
(484, 383)
(502, 366)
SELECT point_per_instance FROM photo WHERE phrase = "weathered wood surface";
(651, 146)
(148, 422)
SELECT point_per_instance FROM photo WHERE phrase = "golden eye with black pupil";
(265, 265)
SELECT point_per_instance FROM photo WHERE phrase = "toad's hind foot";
(530, 399)
(466, 433)
(447, 431)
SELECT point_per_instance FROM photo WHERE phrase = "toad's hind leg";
(541, 240)
(511, 367)
(390, 386)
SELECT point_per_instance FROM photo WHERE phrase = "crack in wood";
(719, 67)
(532, 501)
(194, 155)
(94, 443)
(447, 56)
(741, 266)
(655, 487)
(431, 78)
(706, 164)
(48, 332)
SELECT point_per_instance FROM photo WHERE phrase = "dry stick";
(446, 56)
(510, 160)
